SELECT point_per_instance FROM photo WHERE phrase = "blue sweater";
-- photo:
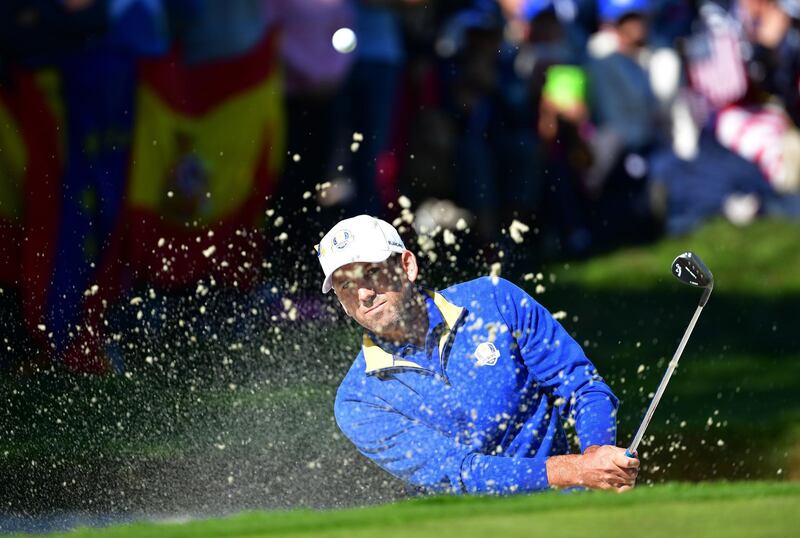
(482, 406)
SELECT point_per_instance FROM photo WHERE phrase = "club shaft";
(664, 381)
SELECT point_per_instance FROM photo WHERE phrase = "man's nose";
(366, 295)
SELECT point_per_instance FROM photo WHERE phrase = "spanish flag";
(207, 148)
(193, 177)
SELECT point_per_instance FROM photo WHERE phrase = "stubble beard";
(406, 314)
(400, 317)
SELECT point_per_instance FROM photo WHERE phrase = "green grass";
(760, 260)
(721, 509)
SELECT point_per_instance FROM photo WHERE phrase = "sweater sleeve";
(559, 364)
(419, 454)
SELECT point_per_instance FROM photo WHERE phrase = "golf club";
(689, 269)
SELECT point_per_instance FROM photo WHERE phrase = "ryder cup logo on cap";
(358, 239)
(341, 239)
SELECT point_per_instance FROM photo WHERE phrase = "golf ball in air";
(344, 40)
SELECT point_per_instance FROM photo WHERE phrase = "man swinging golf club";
(465, 390)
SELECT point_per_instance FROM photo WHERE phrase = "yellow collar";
(377, 359)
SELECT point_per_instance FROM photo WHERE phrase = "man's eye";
(345, 285)
(372, 271)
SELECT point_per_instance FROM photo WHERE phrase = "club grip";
(630, 454)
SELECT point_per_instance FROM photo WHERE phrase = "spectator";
(559, 88)
(367, 98)
(771, 26)
(624, 110)
(622, 101)
(314, 73)
(473, 102)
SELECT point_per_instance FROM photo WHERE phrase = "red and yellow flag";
(207, 148)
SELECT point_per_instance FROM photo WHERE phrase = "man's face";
(376, 295)
(632, 32)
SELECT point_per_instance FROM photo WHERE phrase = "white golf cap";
(357, 239)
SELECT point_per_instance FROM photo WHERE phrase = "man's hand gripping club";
(599, 467)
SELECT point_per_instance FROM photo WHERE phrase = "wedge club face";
(690, 269)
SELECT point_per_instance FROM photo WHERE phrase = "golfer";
(464, 390)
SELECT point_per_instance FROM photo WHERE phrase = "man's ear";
(409, 264)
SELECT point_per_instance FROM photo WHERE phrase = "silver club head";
(690, 269)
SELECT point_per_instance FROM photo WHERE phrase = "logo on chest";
(486, 354)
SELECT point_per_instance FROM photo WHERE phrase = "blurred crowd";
(153, 142)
